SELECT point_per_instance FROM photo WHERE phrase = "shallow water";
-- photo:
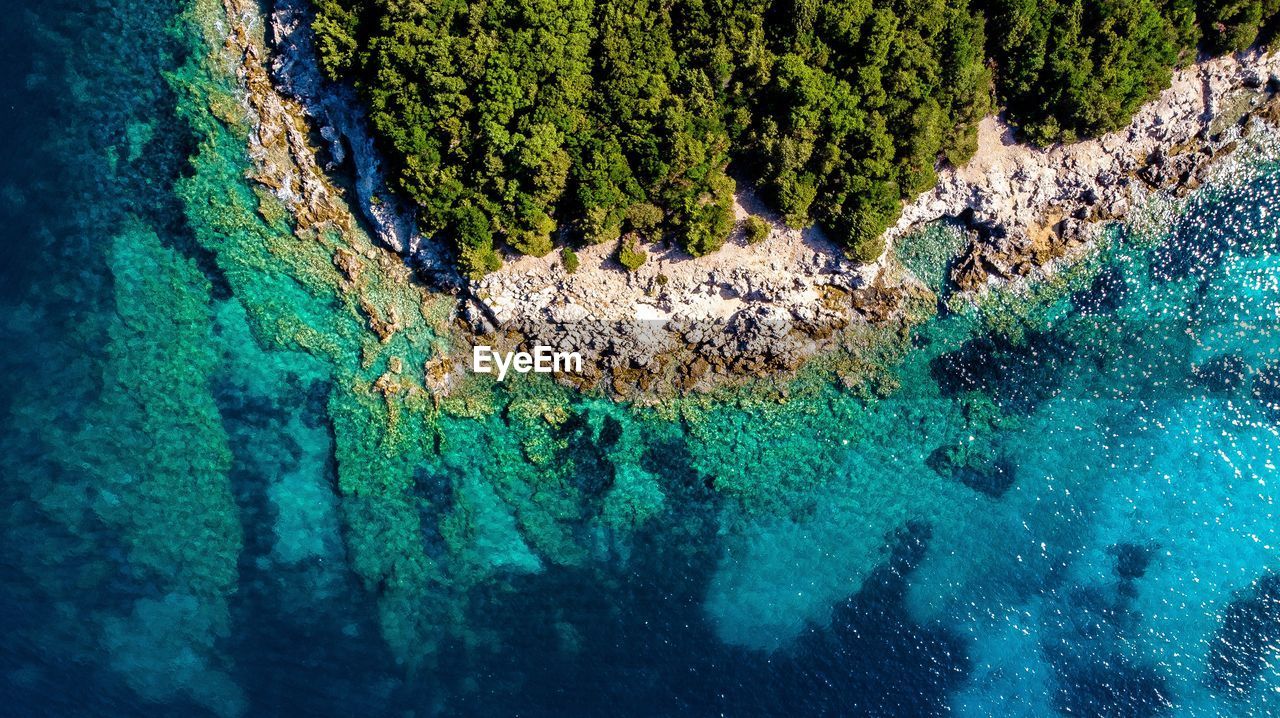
(1067, 507)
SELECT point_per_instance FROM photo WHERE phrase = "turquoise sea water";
(1067, 505)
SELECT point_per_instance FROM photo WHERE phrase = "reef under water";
(226, 491)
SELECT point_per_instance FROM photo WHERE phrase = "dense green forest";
(533, 123)
(1070, 69)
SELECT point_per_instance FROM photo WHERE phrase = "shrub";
(534, 244)
(569, 258)
(475, 263)
(867, 249)
(630, 254)
(474, 242)
(756, 230)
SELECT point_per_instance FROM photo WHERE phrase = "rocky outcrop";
(1029, 207)
(287, 161)
(682, 323)
(340, 120)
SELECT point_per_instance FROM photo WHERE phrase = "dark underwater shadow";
(640, 644)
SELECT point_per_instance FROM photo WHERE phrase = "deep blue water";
(1069, 507)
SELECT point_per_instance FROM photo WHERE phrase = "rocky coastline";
(687, 324)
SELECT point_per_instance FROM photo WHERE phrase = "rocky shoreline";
(770, 306)
(680, 323)
(1029, 207)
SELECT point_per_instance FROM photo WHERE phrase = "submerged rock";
(1132, 560)
(1114, 687)
(1233, 219)
(1246, 640)
(1105, 295)
(1221, 374)
(1266, 390)
(981, 468)
(1017, 376)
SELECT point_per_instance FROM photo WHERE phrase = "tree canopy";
(532, 123)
